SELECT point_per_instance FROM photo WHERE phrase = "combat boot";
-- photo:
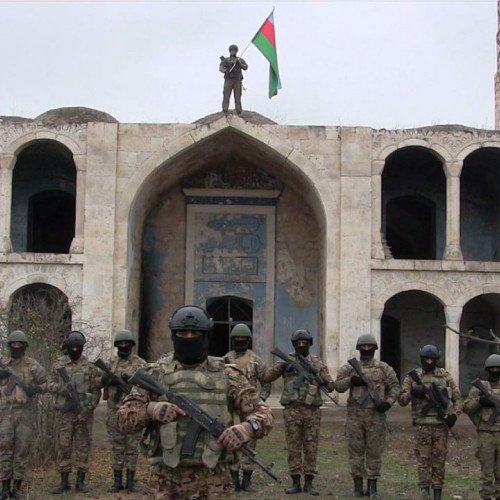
(437, 493)
(5, 489)
(246, 483)
(295, 485)
(308, 485)
(358, 487)
(236, 479)
(80, 482)
(64, 486)
(372, 489)
(131, 487)
(117, 483)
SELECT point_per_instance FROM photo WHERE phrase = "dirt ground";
(398, 480)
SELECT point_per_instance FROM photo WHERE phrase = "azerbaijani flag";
(265, 41)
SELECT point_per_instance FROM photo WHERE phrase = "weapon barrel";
(143, 380)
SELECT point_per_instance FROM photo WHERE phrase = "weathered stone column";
(6, 165)
(81, 164)
(377, 246)
(452, 341)
(497, 74)
(453, 250)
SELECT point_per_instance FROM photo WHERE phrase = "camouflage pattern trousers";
(488, 454)
(366, 429)
(74, 437)
(232, 85)
(431, 445)
(17, 426)
(302, 433)
(125, 447)
(242, 462)
(193, 482)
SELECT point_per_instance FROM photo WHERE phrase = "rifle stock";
(203, 420)
(73, 401)
(122, 386)
(496, 403)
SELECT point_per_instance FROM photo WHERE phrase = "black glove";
(485, 401)
(4, 374)
(356, 380)
(418, 391)
(383, 407)
(32, 389)
(450, 420)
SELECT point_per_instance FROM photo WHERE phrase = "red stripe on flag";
(268, 31)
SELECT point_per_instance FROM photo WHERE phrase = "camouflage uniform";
(124, 447)
(232, 81)
(18, 418)
(75, 429)
(431, 433)
(219, 389)
(301, 414)
(254, 369)
(488, 438)
(365, 425)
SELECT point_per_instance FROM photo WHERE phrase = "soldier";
(254, 369)
(431, 429)
(17, 412)
(302, 415)
(221, 389)
(366, 422)
(479, 408)
(232, 67)
(124, 446)
(75, 401)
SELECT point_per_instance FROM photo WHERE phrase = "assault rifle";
(73, 400)
(14, 379)
(304, 370)
(199, 419)
(435, 398)
(492, 399)
(371, 392)
(113, 379)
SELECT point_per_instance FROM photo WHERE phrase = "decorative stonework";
(11, 131)
(452, 138)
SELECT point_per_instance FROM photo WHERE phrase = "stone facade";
(334, 262)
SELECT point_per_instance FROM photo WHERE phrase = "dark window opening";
(390, 343)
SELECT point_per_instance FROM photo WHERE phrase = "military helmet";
(124, 335)
(17, 336)
(75, 339)
(429, 351)
(301, 335)
(233, 47)
(191, 318)
(492, 361)
(366, 339)
(241, 330)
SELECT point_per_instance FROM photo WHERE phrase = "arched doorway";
(414, 204)
(410, 320)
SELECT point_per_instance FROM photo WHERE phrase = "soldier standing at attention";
(254, 369)
(480, 409)
(432, 422)
(75, 420)
(125, 447)
(366, 422)
(301, 413)
(17, 412)
(232, 67)
(219, 388)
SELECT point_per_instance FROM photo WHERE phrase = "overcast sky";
(388, 64)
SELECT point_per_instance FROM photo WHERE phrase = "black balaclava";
(428, 367)
(367, 354)
(125, 351)
(302, 350)
(17, 352)
(75, 352)
(190, 351)
(493, 376)
(240, 345)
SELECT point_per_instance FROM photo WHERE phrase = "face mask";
(240, 345)
(191, 351)
(124, 352)
(493, 376)
(428, 367)
(366, 355)
(17, 352)
(75, 353)
(303, 350)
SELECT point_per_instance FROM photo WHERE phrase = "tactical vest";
(208, 387)
(79, 374)
(246, 362)
(485, 413)
(22, 368)
(118, 366)
(306, 393)
(419, 405)
(236, 73)
(375, 371)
